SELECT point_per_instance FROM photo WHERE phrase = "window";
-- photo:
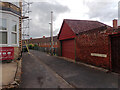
(3, 31)
(3, 37)
(14, 27)
(14, 32)
(14, 38)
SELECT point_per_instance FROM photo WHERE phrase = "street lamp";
(51, 26)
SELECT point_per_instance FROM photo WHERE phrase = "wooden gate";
(115, 53)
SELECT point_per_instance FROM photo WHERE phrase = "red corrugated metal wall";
(66, 32)
(67, 41)
(68, 49)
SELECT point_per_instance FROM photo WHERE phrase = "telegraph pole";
(51, 32)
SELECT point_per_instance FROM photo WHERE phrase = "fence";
(46, 49)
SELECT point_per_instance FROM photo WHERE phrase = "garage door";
(115, 46)
(68, 49)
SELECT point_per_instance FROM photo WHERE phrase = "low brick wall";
(94, 47)
(17, 52)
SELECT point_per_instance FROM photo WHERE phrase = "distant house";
(10, 30)
(43, 43)
(90, 42)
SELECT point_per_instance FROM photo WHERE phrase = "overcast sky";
(103, 11)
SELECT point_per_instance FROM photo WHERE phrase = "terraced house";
(10, 30)
(43, 43)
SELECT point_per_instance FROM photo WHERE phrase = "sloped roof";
(42, 40)
(79, 26)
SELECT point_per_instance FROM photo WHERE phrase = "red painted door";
(68, 49)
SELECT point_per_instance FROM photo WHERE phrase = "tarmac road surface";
(35, 73)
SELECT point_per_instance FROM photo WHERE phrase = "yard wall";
(93, 47)
(17, 52)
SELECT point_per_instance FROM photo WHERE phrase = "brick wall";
(97, 42)
(17, 52)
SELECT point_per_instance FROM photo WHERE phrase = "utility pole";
(51, 32)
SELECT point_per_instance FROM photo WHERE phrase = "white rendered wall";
(119, 13)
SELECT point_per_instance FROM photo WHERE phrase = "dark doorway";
(115, 53)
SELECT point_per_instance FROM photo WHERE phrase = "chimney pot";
(115, 23)
(43, 36)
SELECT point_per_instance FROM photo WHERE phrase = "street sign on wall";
(6, 53)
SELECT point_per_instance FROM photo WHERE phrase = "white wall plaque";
(99, 55)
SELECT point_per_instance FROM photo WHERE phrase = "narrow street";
(37, 75)
(41, 70)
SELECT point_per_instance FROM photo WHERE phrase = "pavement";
(8, 73)
(36, 74)
(76, 75)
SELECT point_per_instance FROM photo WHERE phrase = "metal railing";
(46, 49)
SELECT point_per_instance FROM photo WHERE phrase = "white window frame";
(14, 32)
(9, 17)
(5, 30)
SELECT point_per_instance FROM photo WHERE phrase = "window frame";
(5, 30)
(14, 32)
(9, 17)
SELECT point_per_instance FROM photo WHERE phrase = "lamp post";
(51, 25)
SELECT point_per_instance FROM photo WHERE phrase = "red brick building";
(43, 43)
(90, 42)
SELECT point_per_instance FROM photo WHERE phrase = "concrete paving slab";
(8, 72)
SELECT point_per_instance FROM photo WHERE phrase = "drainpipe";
(110, 55)
(61, 47)
(75, 48)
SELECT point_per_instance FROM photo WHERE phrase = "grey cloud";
(56, 32)
(41, 11)
(104, 10)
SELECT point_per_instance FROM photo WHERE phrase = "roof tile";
(79, 26)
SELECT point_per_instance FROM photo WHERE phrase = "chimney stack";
(115, 25)
(43, 36)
